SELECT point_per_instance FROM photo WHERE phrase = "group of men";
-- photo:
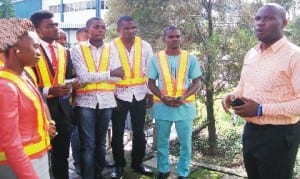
(105, 82)
(114, 80)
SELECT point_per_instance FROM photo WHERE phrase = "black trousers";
(60, 143)
(270, 151)
(137, 111)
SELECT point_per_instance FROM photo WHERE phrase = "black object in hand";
(237, 102)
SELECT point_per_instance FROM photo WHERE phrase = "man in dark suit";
(52, 71)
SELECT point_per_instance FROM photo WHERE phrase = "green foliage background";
(6, 9)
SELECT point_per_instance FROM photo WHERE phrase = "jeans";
(137, 111)
(75, 144)
(92, 126)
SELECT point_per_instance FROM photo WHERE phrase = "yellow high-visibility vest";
(103, 66)
(28, 70)
(171, 86)
(34, 147)
(133, 75)
(46, 79)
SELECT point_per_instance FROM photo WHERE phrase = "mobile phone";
(237, 102)
(69, 81)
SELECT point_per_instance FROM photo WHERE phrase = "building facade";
(70, 14)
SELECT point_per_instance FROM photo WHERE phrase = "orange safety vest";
(133, 75)
(43, 70)
(29, 71)
(103, 66)
(34, 147)
(171, 86)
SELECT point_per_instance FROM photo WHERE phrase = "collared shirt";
(91, 100)
(46, 47)
(185, 111)
(138, 91)
(272, 78)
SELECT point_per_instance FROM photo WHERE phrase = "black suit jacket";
(60, 109)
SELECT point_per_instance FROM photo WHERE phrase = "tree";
(6, 9)
(293, 31)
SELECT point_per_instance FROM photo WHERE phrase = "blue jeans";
(75, 144)
(92, 126)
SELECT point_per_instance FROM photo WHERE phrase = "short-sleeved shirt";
(185, 111)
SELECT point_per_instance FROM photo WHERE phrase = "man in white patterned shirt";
(131, 94)
(95, 100)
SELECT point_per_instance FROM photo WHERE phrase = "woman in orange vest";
(24, 124)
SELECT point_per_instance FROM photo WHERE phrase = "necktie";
(53, 57)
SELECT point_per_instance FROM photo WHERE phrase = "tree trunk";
(212, 137)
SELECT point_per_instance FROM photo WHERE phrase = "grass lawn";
(229, 145)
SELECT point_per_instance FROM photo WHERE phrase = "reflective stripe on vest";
(28, 70)
(45, 77)
(171, 86)
(1, 59)
(31, 75)
(32, 148)
(103, 66)
(132, 76)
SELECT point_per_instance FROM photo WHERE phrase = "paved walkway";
(150, 161)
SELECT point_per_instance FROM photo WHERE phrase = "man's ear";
(38, 31)
(284, 23)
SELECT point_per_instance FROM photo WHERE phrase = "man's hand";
(149, 101)
(117, 72)
(226, 102)
(60, 90)
(171, 101)
(52, 129)
(76, 84)
(249, 109)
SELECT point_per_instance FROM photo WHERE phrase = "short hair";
(169, 28)
(80, 30)
(37, 17)
(122, 19)
(90, 21)
(61, 31)
(281, 11)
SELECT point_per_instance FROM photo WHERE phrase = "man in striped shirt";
(269, 88)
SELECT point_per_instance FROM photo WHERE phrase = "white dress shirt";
(46, 47)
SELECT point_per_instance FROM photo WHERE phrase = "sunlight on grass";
(203, 173)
